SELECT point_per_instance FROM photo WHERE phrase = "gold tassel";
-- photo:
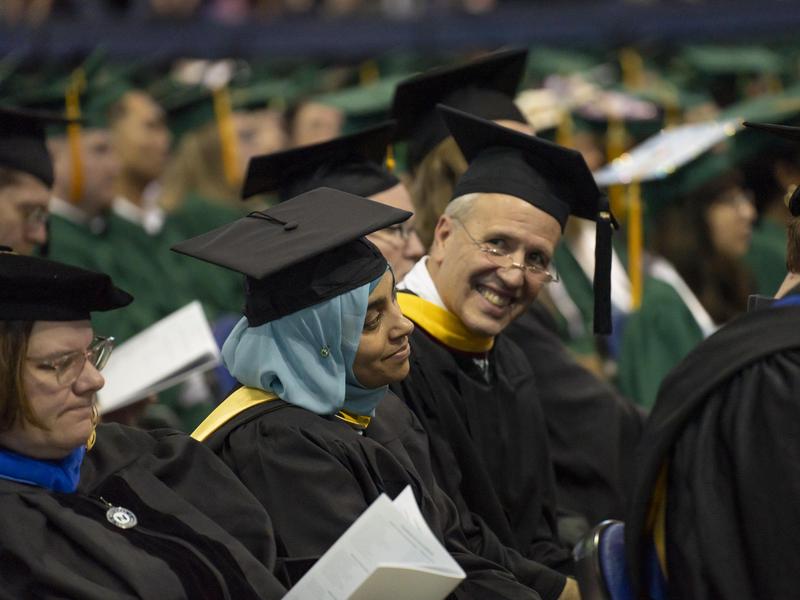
(565, 130)
(618, 202)
(95, 421)
(368, 73)
(774, 84)
(72, 101)
(391, 163)
(635, 243)
(673, 115)
(632, 66)
(616, 136)
(223, 113)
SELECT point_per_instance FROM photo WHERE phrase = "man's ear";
(441, 237)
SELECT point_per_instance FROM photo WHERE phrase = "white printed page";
(383, 555)
(160, 356)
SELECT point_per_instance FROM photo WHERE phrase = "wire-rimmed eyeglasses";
(69, 366)
(503, 258)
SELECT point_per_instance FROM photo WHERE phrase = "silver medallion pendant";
(121, 517)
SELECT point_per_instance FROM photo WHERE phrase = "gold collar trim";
(237, 402)
(442, 324)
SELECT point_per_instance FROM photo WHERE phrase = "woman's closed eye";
(372, 322)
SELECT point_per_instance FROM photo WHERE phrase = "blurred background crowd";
(169, 125)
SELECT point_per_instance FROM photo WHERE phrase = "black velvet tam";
(22, 141)
(300, 252)
(37, 289)
(351, 163)
(485, 87)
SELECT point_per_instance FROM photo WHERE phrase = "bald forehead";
(500, 209)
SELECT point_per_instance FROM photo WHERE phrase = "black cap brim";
(299, 253)
(37, 289)
(485, 86)
(281, 170)
(267, 242)
(22, 141)
(786, 132)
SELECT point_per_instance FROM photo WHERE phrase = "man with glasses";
(473, 389)
(26, 178)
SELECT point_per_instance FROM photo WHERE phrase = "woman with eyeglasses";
(90, 511)
(700, 227)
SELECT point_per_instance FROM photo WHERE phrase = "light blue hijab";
(306, 358)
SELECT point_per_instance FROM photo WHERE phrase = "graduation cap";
(671, 164)
(721, 69)
(363, 105)
(300, 252)
(548, 176)
(86, 93)
(37, 289)
(484, 87)
(22, 141)
(351, 163)
(790, 133)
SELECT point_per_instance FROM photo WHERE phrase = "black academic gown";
(727, 426)
(316, 475)
(488, 442)
(592, 430)
(200, 533)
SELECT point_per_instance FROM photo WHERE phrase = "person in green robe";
(215, 138)
(699, 233)
(772, 174)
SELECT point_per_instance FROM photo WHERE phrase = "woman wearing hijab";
(313, 431)
(116, 513)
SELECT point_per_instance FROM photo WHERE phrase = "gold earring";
(95, 420)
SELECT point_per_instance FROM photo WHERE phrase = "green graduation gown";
(220, 290)
(767, 256)
(655, 339)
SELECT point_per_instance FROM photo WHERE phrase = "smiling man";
(473, 389)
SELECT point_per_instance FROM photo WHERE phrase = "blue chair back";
(601, 566)
(600, 563)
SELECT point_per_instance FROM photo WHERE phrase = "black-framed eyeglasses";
(502, 258)
(68, 367)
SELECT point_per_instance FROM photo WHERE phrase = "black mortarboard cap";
(38, 289)
(502, 160)
(351, 163)
(787, 132)
(22, 141)
(300, 252)
(553, 178)
(485, 87)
